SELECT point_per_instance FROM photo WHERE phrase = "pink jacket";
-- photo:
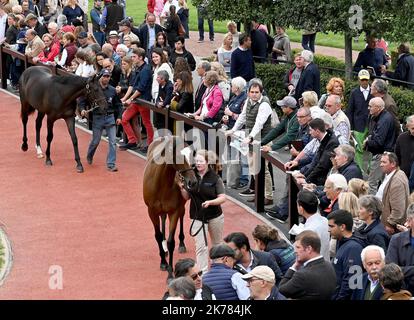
(214, 101)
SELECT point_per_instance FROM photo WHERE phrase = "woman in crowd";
(72, 11)
(181, 65)
(99, 58)
(69, 50)
(183, 13)
(181, 51)
(205, 205)
(281, 49)
(358, 187)
(335, 86)
(349, 202)
(232, 29)
(183, 99)
(211, 101)
(225, 51)
(223, 84)
(122, 50)
(159, 62)
(370, 210)
(391, 278)
(171, 26)
(292, 76)
(160, 42)
(267, 239)
(50, 52)
(86, 66)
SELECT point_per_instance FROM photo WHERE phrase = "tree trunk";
(348, 56)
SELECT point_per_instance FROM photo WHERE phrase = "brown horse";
(165, 167)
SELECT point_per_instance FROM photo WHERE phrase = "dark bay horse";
(55, 96)
(164, 168)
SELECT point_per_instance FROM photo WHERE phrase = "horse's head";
(95, 94)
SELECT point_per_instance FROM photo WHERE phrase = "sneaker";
(200, 40)
(277, 216)
(239, 185)
(212, 39)
(144, 149)
(267, 202)
(113, 169)
(247, 193)
(89, 160)
(128, 146)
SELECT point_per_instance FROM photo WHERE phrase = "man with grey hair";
(401, 249)
(165, 94)
(404, 68)
(381, 137)
(344, 162)
(35, 45)
(341, 125)
(310, 77)
(202, 67)
(373, 260)
(181, 288)
(404, 150)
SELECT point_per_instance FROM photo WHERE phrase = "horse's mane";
(69, 78)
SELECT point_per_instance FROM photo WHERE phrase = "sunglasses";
(196, 275)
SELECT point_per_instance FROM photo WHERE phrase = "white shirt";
(264, 112)
(166, 11)
(3, 21)
(380, 191)
(240, 286)
(198, 295)
(155, 85)
(365, 92)
(319, 224)
(310, 260)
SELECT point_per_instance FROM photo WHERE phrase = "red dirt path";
(94, 225)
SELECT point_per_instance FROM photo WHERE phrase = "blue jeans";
(201, 14)
(100, 37)
(411, 178)
(99, 123)
(308, 42)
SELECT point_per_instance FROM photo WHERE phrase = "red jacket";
(151, 5)
(50, 55)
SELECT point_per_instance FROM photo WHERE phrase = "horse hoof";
(163, 267)
(40, 155)
(25, 146)
(49, 162)
(79, 169)
(182, 249)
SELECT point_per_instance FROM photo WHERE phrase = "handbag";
(181, 30)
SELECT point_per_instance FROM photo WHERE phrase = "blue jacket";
(371, 57)
(283, 252)
(350, 170)
(404, 70)
(375, 233)
(359, 294)
(310, 80)
(357, 111)
(348, 254)
(143, 81)
(381, 133)
(235, 105)
(219, 280)
(242, 64)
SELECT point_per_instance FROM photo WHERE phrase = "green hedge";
(272, 77)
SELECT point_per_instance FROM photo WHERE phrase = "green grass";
(137, 9)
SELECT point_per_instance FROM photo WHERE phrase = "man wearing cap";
(261, 283)
(104, 120)
(111, 15)
(83, 40)
(125, 30)
(33, 23)
(226, 283)
(357, 113)
(113, 39)
(311, 277)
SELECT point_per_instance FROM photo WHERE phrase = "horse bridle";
(181, 177)
(95, 101)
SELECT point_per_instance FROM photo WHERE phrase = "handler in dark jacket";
(105, 121)
(401, 250)
(311, 277)
(405, 67)
(348, 251)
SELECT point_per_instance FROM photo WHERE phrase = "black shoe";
(247, 193)
(277, 216)
(274, 210)
(267, 202)
(89, 160)
(128, 146)
(239, 186)
(113, 169)
(144, 149)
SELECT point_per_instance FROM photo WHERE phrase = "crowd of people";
(353, 163)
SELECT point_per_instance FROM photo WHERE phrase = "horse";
(162, 194)
(55, 96)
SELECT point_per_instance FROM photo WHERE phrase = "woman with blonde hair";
(349, 202)
(358, 187)
(335, 86)
(223, 83)
(225, 51)
(205, 205)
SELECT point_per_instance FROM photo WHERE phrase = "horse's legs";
(171, 240)
(181, 246)
(70, 122)
(25, 111)
(50, 123)
(39, 120)
(158, 237)
(164, 243)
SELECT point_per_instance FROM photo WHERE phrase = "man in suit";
(311, 277)
(405, 67)
(202, 68)
(310, 77)
(35, 45)
(148, 32)
(247, 259)
(373, 259)
(394, 192)
(357, 113)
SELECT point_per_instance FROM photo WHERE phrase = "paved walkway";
(206, 48)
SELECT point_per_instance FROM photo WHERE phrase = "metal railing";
(169, 114)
